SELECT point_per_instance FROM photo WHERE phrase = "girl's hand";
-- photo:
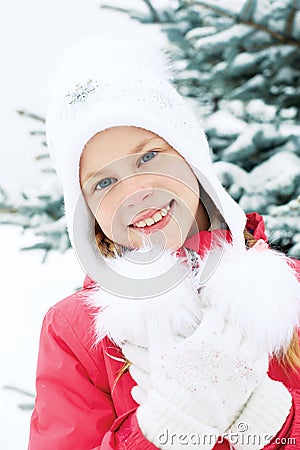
(205, 384)
(198, 362)
(216, 376)
(210, 375)
(214, 371)
(139, 370)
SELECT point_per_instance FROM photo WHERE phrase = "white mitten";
(199, 384)
(263, 416)
(139, 370)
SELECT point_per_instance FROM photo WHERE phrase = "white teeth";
(157, 217)
(140, 224)
(154, 219)
(149, 221)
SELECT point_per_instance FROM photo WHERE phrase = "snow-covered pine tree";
(239, 64)
(38, 211)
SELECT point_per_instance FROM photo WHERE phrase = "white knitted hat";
(104, 84)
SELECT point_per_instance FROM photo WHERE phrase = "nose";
(135, 191)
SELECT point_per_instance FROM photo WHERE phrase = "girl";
(184, 334)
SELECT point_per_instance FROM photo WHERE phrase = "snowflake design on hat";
(81, 92)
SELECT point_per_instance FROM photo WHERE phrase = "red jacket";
(79, 404)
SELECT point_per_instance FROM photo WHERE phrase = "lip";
(147, 213)
(158, 225)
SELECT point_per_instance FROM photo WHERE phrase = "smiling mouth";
(155, 218)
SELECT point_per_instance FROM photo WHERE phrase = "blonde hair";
(288, 359)
(106, 247)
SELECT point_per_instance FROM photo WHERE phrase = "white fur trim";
(256, 290)
(124, 319)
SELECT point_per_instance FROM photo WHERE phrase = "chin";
(170, 238)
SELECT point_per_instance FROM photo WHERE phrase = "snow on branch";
(241, 18)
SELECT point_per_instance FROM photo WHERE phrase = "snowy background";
(245, 88)
(32, 34)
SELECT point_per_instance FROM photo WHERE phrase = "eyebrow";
(92, 174)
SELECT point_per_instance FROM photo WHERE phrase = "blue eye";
(105, 183)
(148, 156)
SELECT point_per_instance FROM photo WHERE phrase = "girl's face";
(136, 184)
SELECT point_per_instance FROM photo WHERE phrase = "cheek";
(104, 210)
(188, 194)
(109, 216)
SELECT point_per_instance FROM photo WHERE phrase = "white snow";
(277, 173)
(243, 59)
(234, 6)
(244, 145)
(261, 112)
(223, 38)
(276, 176)
(28, 289)
(225, 123)
(235, 179)
(199, 32)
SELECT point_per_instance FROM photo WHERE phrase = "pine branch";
(42, 156)
(155, 16)
(38, 133)
(115, 8)
(8, 209)
(291, 17)
(38, 246)
(31, 116)
(48, 170)
(216, 9)
(247, 10)
(21, 391)
(25, 406)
